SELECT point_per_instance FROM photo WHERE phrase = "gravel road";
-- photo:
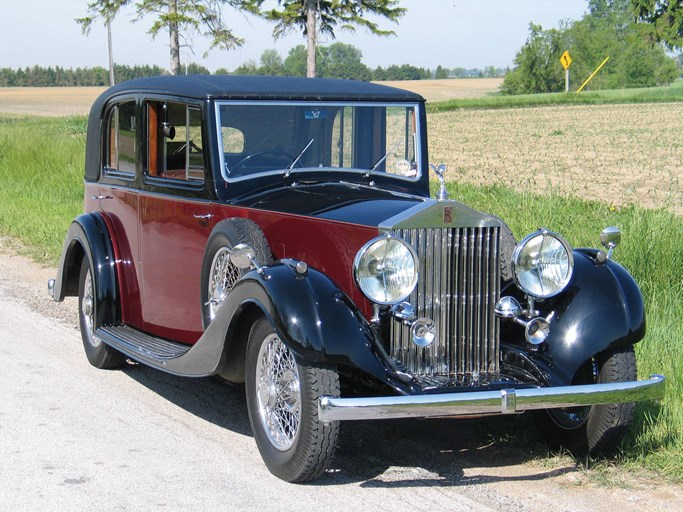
(76, 438)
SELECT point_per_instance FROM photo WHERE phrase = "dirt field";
(48, 101)
(440, 90)
(619, 154)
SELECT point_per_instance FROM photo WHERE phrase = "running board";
(198, 360)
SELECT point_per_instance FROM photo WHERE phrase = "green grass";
(41, 191)
(41, 177)
(671, 93)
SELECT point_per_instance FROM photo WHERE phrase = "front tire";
(282, 399)
(99, 354)
(596, 429)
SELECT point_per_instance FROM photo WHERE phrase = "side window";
(121, 133)
(175, 144)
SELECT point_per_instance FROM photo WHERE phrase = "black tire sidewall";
(314, 447)
(276, 460)
(605, 424)
(102, 356)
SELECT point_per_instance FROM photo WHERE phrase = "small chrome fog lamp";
(536, 331)
(423, 332)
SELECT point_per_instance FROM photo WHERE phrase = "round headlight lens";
(386, 270)
(543, 264)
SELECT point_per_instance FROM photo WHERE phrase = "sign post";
(566, 61)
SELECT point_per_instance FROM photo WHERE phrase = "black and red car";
(278, 232)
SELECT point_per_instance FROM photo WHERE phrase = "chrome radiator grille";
(458, 288)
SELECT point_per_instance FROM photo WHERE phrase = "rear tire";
(99, 354)
(596, 429)
(282, 399)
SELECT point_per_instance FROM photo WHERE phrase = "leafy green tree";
(608, 30)
(271, 63)
(182, 19)
(660, 21)
(537, 66)
(323, 16)
(295, 62)
(440, 73)
(341, 60)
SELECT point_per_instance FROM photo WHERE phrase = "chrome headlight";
(385, 269)
(543, 264)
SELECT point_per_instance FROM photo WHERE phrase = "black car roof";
(262, 87)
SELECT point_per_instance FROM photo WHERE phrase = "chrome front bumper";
(504, 401)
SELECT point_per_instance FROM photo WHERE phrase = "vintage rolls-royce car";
(279, 232)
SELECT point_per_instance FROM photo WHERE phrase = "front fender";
(601, 309)
(316, 320)
(89, 238)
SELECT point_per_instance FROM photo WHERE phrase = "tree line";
(37, 76)
(338, 60)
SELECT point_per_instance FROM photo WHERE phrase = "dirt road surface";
(76, 438)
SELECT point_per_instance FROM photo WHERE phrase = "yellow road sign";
(566, 60)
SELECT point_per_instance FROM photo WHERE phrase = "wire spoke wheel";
(88, 310)
(222, 277)
(278, 393)
(99, 354)
(282, 399)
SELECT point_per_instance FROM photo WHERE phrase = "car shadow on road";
(441, 452)
(389, 453)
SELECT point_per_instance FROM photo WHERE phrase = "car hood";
(345, 202)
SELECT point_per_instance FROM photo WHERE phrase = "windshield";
(287, 137)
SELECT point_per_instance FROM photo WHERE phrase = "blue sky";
(451, 33)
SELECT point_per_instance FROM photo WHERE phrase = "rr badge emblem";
(448, 215)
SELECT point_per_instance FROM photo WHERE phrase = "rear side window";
(121, 144)
(175, 145)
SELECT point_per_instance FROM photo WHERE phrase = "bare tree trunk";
(175, 38)
(310, 38)
(111, 56)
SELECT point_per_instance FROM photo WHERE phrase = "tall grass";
(41, 180)
(41, 191)
(665, 94)
(652, 250)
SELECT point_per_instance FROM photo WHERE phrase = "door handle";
(205, 216)
(100, 197)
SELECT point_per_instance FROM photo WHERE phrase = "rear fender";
(89, 238)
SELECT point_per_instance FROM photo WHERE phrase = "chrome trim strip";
(505, 401)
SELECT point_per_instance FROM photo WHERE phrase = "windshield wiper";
(298, 157)
(381, 160)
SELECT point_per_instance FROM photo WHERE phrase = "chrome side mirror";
(610, 238)
(242, 256)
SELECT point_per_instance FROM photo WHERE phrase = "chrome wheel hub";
(222, 278)
(278, 392)
(88, 310)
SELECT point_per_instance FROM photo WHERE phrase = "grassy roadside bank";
(665, 94)
(41, 175)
